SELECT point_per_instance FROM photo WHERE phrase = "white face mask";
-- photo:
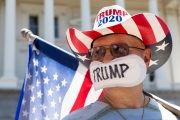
(125, 71)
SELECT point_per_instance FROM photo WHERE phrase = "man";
(122, 50)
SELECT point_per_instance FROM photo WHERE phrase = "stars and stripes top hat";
(148, 27)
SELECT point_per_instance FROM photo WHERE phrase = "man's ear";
(147, 56)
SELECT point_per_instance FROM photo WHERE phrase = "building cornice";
(171, 4)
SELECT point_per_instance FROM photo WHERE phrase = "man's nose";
(107, 57)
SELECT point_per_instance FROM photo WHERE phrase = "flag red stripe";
(145, 29)
(83, 93)
(76, 42)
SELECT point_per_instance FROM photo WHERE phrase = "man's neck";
(124, 97)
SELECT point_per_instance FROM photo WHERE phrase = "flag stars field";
(24, 101)
(25, 113)
(56, 116)
(53, 103)
(46, 118)
(32, 98)
(43, 107)
(43, 69)
(28, 76)
(31, 87)
(64, 82)
(57, 88)
(37, 83)
(55, 76)
(50, 92)
(35, 62)
(36, 73)
(59, 98)
(39, 94)
(34, 109)
(46, 80)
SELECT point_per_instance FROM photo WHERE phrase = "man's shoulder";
(86, 112)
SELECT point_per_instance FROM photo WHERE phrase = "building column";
(148, 83)
(173, 23)
(179, 15)
(85, 15)
(49, 21)
(153, 6)
(121, 3)
(9, 79)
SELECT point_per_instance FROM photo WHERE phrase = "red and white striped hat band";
(148, 27)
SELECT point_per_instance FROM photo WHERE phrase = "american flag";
(55, 84)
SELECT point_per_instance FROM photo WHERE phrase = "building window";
(56, 27)
(33, 24)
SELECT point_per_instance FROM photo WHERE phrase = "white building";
(50, 18)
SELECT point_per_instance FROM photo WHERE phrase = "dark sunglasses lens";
(118, 50)
(98, 53)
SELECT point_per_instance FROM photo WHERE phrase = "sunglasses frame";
(117, 44)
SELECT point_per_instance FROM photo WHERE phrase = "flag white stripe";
(131, 27)
(92, 96)
(73, 91)
(156, 27)
(98, 93)
(70, 42)
(83, 38)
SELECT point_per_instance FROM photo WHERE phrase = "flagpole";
(26, 33)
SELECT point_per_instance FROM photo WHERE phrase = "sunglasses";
(116, 50)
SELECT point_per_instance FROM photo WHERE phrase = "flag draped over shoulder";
(55, 84)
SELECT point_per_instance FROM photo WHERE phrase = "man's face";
(123, 38)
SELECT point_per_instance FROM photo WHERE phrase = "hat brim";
(148, 27)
